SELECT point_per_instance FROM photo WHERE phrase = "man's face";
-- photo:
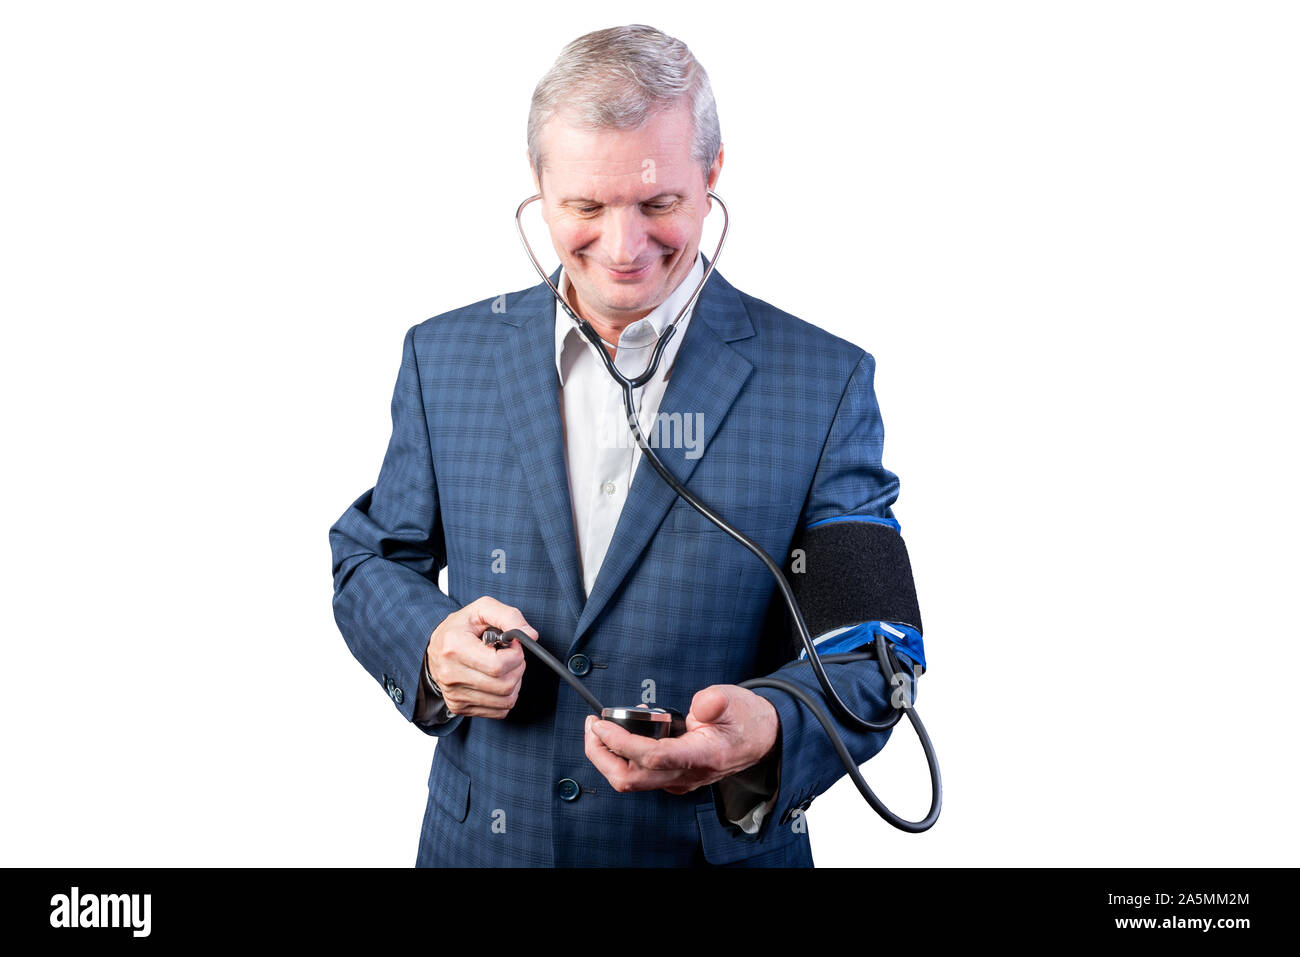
(626, 209)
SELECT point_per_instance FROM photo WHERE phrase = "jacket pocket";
(449, 786)
(721, 847)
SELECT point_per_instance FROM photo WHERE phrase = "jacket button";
(569, 789)
(580, 665)
(396, 694)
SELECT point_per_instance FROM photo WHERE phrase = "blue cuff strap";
(891, 522)
(857, 637)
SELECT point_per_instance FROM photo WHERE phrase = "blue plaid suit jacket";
(475, 472)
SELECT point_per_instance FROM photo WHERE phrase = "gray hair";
(620, 77)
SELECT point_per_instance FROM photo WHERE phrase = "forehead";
(618, 161)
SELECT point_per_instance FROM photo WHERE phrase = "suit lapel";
(705, 380)
(530, 394)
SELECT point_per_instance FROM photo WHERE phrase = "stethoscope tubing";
(883, 653)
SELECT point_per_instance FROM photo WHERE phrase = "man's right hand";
(476, 679)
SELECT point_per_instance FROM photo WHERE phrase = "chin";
(629, 296)
(645, 295)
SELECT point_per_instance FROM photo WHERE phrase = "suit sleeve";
(387, 552)
(849, 481)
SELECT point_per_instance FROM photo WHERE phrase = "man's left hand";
(728, 729)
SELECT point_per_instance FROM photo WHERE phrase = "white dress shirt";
(601, 453)
(602, 457)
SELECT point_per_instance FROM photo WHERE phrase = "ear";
(715, 170)
(537, 183)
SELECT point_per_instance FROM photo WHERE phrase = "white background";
(1067, 232)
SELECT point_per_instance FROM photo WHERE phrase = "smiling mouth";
(628, 273)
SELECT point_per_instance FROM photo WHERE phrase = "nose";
(623, 237)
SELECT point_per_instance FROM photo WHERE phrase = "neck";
(608, 329)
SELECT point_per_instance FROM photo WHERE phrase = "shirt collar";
(567, 335)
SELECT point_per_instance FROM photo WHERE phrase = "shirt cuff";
(430, 709)
(748, 796)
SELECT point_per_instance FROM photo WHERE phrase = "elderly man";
(500, 467)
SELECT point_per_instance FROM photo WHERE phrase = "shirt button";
(580, 665)
(569, 790)
(610, 488)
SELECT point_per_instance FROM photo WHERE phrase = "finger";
(472, 711)
(662, 754)
(452, 676)
(460, 696)
(624, 775)
(615, 769)
(702, 751)
(498, 662)
(470, 687)
(468, 651)
(477, 711)
(487, 612)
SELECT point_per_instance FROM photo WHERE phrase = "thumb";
(488, 612)
(709, 705)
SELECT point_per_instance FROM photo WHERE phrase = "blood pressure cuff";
(854, 571)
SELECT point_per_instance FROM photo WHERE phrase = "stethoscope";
(665, 722)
